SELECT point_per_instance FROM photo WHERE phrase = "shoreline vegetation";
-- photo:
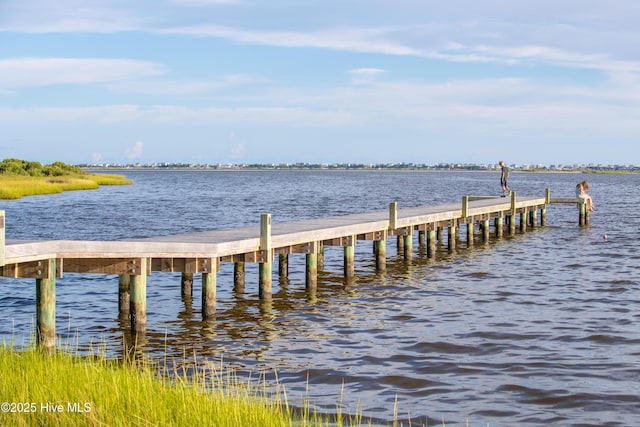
(19, 178)
(65, 389)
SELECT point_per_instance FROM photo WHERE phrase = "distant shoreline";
(232, 170)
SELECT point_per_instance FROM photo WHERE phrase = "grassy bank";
(61, 390)
(19, 178)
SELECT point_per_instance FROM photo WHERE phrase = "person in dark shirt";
(504, 177)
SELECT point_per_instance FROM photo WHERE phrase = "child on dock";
(581, 193)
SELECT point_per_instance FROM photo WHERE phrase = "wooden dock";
(202, 252)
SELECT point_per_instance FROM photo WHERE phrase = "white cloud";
(135, 151)
(31, 72)
(364, 75)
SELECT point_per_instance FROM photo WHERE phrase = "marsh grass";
(91, 390)
(17, 186)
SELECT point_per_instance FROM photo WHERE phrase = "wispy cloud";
(25, 72)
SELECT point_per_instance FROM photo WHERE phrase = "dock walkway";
(202, 252)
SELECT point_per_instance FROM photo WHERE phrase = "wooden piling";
(523, 221)
(320, 256)
(46, 307)
(209, 294)
(124, 296)
(283, 265)
(380, 247)
(238, 277)
(499, 226)
(408, 245)
(311, 271)
(265, 268)
(2, 237)
(186, 284)
(138, 291)
(349, 257)
(485, 230)
(431, 243)
(451, 236)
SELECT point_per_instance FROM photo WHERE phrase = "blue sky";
(380, 81)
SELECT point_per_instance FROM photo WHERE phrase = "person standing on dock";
(504, 177)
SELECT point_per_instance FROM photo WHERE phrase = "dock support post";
(349, 257)
(265, 268)
(400, 245)
(138, 291)
(311, 276)
(186, 284)
(431, 243)
(46, 308)
(485, 230)
(283, 265)
(523, 220)
(543, 216)
(533, 218)
(408, 245)
(320, 256)
(209, 280)
(451, 237)
(470, 231)
(584, 214)
(124, 296)
(238, 277)
(499, 224)
(512, 217)
(380, 248)
(422, 238)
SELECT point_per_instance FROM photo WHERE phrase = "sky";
(320, 81)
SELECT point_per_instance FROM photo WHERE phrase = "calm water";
(536, 329)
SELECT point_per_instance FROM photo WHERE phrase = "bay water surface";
(540, 328)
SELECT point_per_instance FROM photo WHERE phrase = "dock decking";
(202, 252)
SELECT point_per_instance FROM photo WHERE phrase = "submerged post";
(138, 291)
(265, 268)
(46, 307)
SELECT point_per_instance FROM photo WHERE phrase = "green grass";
(93, 391)
(17, 186)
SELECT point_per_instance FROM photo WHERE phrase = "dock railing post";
(393, 215)
(465, 206)
(265, 280)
